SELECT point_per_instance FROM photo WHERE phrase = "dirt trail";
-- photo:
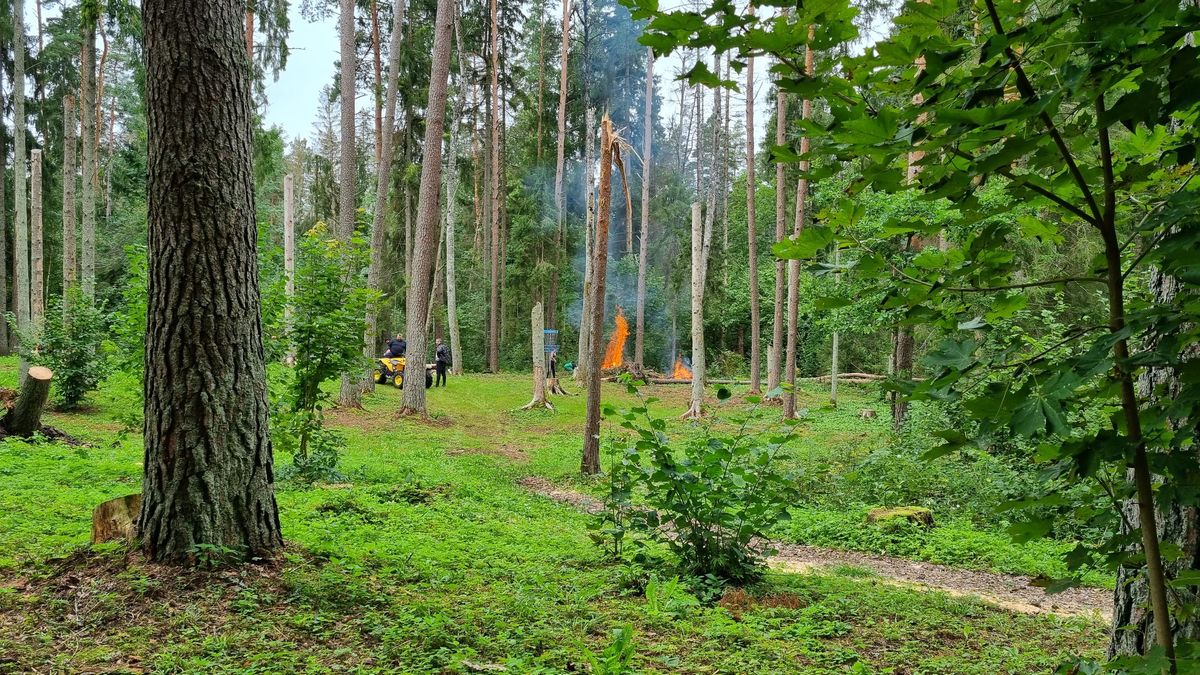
(1008, 591)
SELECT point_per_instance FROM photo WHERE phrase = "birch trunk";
(383, 172)
(451, 211)
(428, 219)
(793, 309)
(347, 171)
(20, 186)
(208, 470)
(497, 196)
(70, 231)
(775, 356)
(552, 305)
(639, 341)
(37, 295)
(87, 104)
(590, 464)
(752, 239)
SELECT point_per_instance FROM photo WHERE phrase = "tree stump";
(892, 517)
(25, 417)
(116, 519)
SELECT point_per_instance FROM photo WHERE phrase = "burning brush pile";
(614, 362)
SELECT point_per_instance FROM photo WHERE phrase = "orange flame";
(614, 354)
(681, 371)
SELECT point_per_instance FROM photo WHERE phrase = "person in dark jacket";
(396, 347)
(442, 359)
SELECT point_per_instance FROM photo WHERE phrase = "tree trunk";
(541, 68)
(5, 337)
(793, 308)
(87, 108)
(70, 230)
(289, 245)
(208, 476)
(775, 357)
(552, 305)
(380, 86)
(833, 365)
(752, 240)
(451, 211)
(20, 186)
(383, 172)
(639, 341)
(347, 169)
(538, 338)
(585, 325)
(37, 294)
(696, 408)
(591, 431)
(497, 196)
(249, 35)
(1133, 630)
(429, 198)
(25, 417)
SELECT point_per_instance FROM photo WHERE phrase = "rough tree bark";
(208, 474)
(609, 152)
(775, 356)
(20, 184)
(451, 212)
(752, 239)
(428, 218)
(347, 169)
(552, 300)
(497, 196)
(37, 264)
(538, 338)
(87, 108)
(69, 229)
(793, 307)
(383, 172)
(639, 340)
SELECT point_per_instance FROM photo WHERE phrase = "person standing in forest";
(442, 360)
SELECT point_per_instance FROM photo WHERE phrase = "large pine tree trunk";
(37, 295)
(347, 163)
(87, 105)
(428, 218)
(1133, 630)
(591, 428)
(775, 357)
(639, 340)
(69, 229)
(793, 280)
(383, 173)
(752, 240)
(208, 476)
(20, 184)
(497, 197)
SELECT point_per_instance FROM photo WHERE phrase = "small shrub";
(707, 500)
(70, 343)
(616, 657)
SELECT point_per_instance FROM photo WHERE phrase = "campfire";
(681, 371)
(614, 354)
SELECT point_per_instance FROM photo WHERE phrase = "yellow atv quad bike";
(392, 368)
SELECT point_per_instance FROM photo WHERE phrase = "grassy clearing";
(430, 558)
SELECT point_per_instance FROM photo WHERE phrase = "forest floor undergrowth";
(431, 555)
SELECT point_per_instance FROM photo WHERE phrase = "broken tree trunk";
(538, 338)
(116, 519)
(25, 417)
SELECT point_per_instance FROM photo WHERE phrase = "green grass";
(431, 558)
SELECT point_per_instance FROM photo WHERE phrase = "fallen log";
(25, 417)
